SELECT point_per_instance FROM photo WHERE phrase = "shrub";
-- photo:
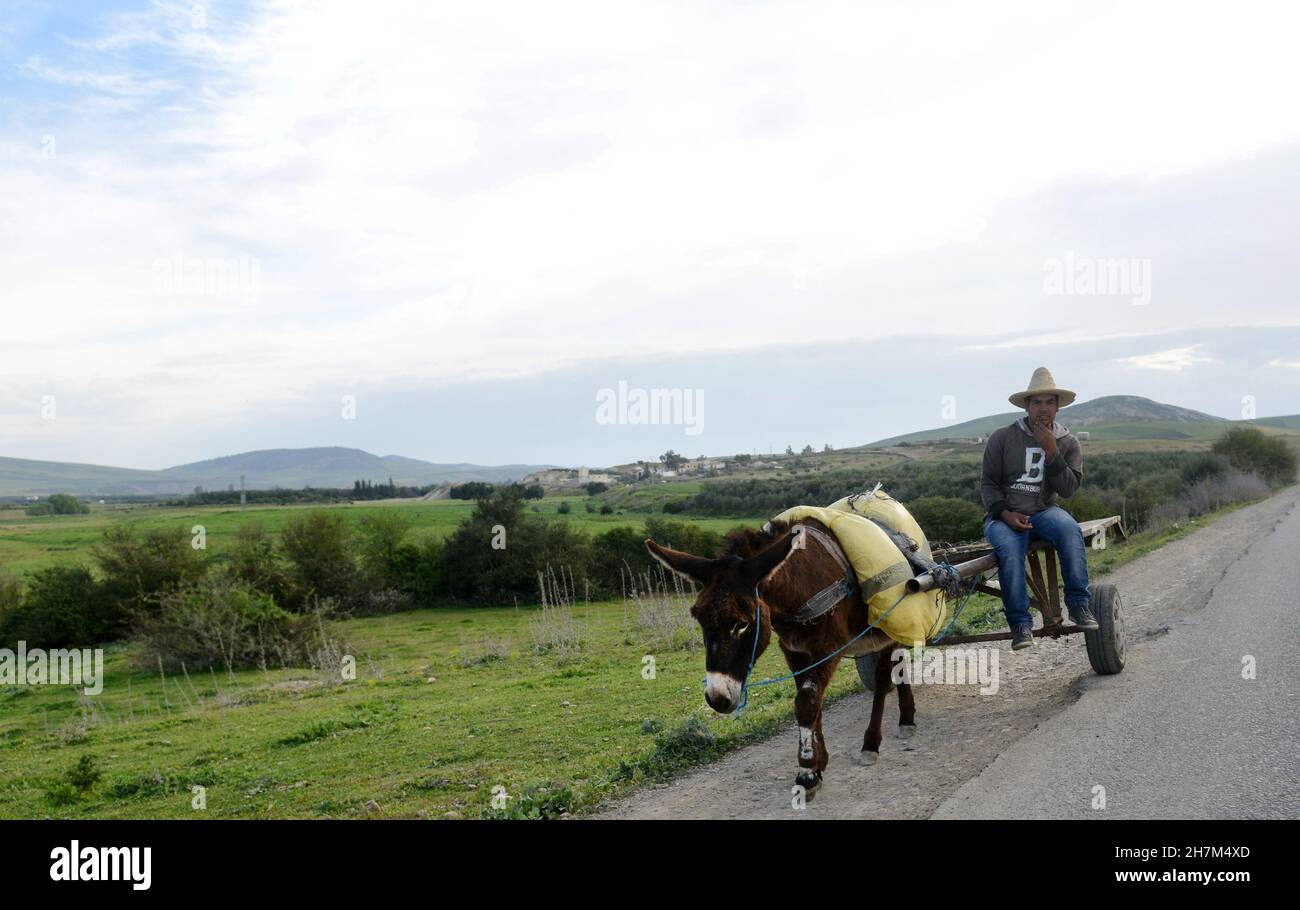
(682, 535)
(84, 774)
(475, 489)
(947, 519)
(563, 508)
(219, 623)
(537, 801)
(616, 554)
(319, 548)
(663, 619)
(554, 630)
(689, 743)
(61, 793)
(253, 562)
(1145, 493)
(1202, 466)
(1084, 506)
(11, 601)
(64, 607)
(59, 504)
(1249, 450)
(483, 571)
(135, 569)
(422, 570)
(489, 649)
(380, 537)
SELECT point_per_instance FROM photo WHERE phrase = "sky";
(452, 231)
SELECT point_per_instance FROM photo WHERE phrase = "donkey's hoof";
(906, 731)
(810, 781)
(866, 758)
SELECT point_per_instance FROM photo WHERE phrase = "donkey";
(785, 569)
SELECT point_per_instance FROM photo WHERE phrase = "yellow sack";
(881, 568)
(888, 511)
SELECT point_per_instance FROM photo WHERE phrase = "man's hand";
(1042, 431)
(1017, 520)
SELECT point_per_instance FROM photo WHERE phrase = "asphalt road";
(1183, 732)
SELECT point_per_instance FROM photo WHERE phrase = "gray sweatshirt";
(1018, 478)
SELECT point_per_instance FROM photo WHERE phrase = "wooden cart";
(1105, 644)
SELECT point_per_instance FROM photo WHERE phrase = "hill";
(332, 467)
(1111, 416)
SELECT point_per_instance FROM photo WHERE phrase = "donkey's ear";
(768, 561)
(696, 568)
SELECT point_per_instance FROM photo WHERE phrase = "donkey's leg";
(871, 740)
(906, 711)
(813, 754)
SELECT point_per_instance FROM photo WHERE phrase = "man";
(1026, 466)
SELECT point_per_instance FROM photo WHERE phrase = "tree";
(475, 489)
(617, 552)
(63, 607)
(671, 460)
(789, 450)
(828, 448)
(380, 536)
(807, 450)
(135, 569)
(595, 488)
(59, 504)
(1249, 450)
(496, 553)
(319, 548)
(951, 520)
(253, 562)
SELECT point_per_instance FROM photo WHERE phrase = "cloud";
(113, 83)
(1174, 360)
(1048, 340)
(437, 193)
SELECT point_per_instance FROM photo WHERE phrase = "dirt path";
(960, 731)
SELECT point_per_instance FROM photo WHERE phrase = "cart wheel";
(1106, 644)
(867, 670)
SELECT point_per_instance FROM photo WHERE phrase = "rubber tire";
(1106, 644)
(867, 670)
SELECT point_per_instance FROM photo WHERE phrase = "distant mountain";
(333, 467)
(1111, 416)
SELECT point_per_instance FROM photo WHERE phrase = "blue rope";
(961, 606)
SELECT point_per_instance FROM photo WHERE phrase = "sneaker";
(1022, 637)
(1082, 617)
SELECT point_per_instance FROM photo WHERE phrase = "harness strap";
(825, 600)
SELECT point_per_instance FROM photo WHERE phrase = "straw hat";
(1042, 383)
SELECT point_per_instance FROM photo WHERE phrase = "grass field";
(28, 543)
(446, 705)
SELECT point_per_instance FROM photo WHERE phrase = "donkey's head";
(727, 611)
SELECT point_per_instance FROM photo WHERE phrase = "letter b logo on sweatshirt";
(1034, 459)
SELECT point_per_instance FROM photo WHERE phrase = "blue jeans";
(1055, 525)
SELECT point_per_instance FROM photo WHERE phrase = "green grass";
(31, 543)
(264, 748)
